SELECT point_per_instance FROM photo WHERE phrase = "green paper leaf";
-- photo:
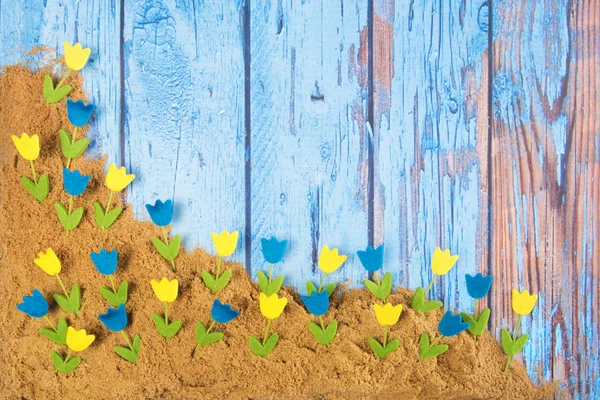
(420, 304)
(69, 222)
(57, 94)
(392, 345)
(330, 288)
(126, 353)
(263, 282)
(98, 214)
(48, 86)
(316, 331)
(40, 190)
(209, 280)
(105, 220)
(310, 287)
(78, 147)
(383, 352)
(512, 347)
(222, 282)
(200, 332)
(427, 351)
(386, 286)
(75, 298)
(62, 366)
(326, 336)
(477, 327)
(372, 287)
(212, 337)
(269, 288)
(170, 251)
(66, 304)
(63, 216)
(122, 293)
(262, 351)
(275, 285)
(166, 330)
(65, 142)
(59, 336)
(115, 299)
(137, 343)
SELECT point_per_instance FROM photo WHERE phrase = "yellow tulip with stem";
(29, 148)
(522, 304)
(271, 308)
(166, 291)
(116, 180)
(441, 263)
(50, 264)
(225, 244)
(76, 57)
(77, 341)
(387, 315)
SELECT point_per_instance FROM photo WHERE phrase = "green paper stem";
(322, 282)
(437, 339)
(63, 79)
(72, 141)
(68, 355)
(51, 324)
(517, 328)
(430, 285)
(127, 340)
(376, 277)
(322, 323)
(385, 335)
(108, 205)
(166, 313)
(69, 213)
(266, 332)
(476, 312)
(210, 327)
(33, 172)
(218, 268)
(270, 273)
(112, 283)
(167, 243)
(62, 285)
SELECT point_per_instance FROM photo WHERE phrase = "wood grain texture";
(308, 148)
(431, 140)
(545, 183)
(184, 131)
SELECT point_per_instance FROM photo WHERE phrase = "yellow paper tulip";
(225, 243)
(523, 303)
(117, 178)
(165, 290)
(48, 262)
(28, 147)
(272, 306)
(75, 56)
(329, 260)
(442, 261)
(387, 314)
(78, 340)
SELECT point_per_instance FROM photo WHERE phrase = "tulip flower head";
(79, 340)
(76, 56)
(442, 261)
(371, 259)
(105, 262)
(272, 306)
(523, 302)
(451, 325)
(478, 286)
(78, 112)
(48, 262)
(330, 260)
(387, 315)
(223, 313)
(162, 214)
(35, 306)
(74, 182)
(115, 319)
(225, 245)
(117, 179)
(29, 148)
(316, 303)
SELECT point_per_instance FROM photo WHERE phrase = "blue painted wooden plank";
(25, 25)
(430, 136)
(308, 144)
(184, 132)
(545, 174)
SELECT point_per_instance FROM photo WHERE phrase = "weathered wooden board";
(545, 174)
(309, 163)
(431, 140)
(184, 107)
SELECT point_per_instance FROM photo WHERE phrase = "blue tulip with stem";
(478, 287)
(450, 325)
(372, 261)
(75, 184)
(79, 115)
(106, 263)
(317, 303)
(115, 320)
(273, 251)
(162, 215)
(36, 306)
(220, 313)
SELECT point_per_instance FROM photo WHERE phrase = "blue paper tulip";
(478, 286)
(35, 305)
(74, 182)
(79, 113)
(273, 249)
(105, 263)
(161, 213)
(371, 259)
(317, 303)
(451, 325)
(222, 313)
(115, 319)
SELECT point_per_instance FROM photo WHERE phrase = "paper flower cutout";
(76, 56)
(273, 249)
(451, 325)
(116, 180)
(106, 263)
(50, 264)
(387, 315)
(77, 341)
(35, 306)
(371, 259)
(442, 261)
(29, 148)
(271, 308)
(74, 182)
(78, 112)
(225, 244)
(166, 291)
(329, 260)
(316, 303)
(478, 287)
(222, 313)
(162, 214)
(522, 304)
(115, 319)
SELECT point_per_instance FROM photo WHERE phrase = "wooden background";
(472, 125)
